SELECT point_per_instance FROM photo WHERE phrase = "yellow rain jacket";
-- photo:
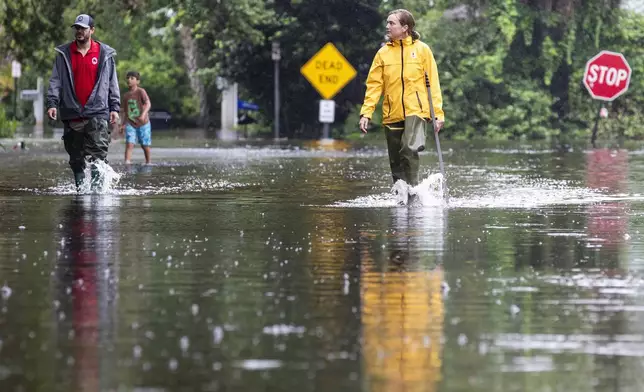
(398, 74)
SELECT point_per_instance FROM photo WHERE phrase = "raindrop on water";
(184, 343)
(5, 291)
(217, 335)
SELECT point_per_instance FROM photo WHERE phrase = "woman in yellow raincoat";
(398, 74)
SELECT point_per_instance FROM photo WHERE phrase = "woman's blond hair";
(406, 19)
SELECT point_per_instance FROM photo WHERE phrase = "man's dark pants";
(86, 138)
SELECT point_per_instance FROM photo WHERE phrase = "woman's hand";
(438, 125)
(364, 124)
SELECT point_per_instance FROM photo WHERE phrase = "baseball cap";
(84, 20)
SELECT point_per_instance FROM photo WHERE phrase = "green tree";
(302, 28)
(508, 68)
(29, 28)
(513, 68)
(144, 36)
(210, 33)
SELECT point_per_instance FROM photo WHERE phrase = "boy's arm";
(147, 105)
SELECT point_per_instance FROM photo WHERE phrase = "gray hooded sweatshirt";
(105, 96)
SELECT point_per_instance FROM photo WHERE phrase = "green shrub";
(7, 127)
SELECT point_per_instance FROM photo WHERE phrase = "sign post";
(276, 55)
(606, 77)
(37, 96)
(328, 71)
(16, 73)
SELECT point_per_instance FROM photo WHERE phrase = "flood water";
(291, 268)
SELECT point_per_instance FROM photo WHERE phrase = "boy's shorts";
(139, 135)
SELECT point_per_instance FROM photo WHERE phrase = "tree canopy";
(508, 68)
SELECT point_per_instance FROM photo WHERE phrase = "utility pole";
(276, 56)
(16, 72)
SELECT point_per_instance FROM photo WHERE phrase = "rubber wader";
(86, 140)
(405, 140)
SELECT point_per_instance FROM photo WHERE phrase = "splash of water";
(113, 185)
(104, 182)
(430, 192)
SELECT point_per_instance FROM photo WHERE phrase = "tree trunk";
(560, 81)
(560, 88)
(539, 33)
(191, 60)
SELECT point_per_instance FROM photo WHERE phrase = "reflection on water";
(286, 268)
(86, 285)
(607, 170)
(402, 304)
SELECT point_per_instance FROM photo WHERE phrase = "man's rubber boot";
(79, 179)
(97, 181)
(414, 200)
(401, 192)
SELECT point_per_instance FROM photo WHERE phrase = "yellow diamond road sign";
(328, 71)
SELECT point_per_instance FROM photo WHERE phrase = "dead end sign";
(328, 71)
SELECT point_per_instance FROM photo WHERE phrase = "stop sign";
(607, 75)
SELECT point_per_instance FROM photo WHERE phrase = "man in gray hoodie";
(84, 93)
